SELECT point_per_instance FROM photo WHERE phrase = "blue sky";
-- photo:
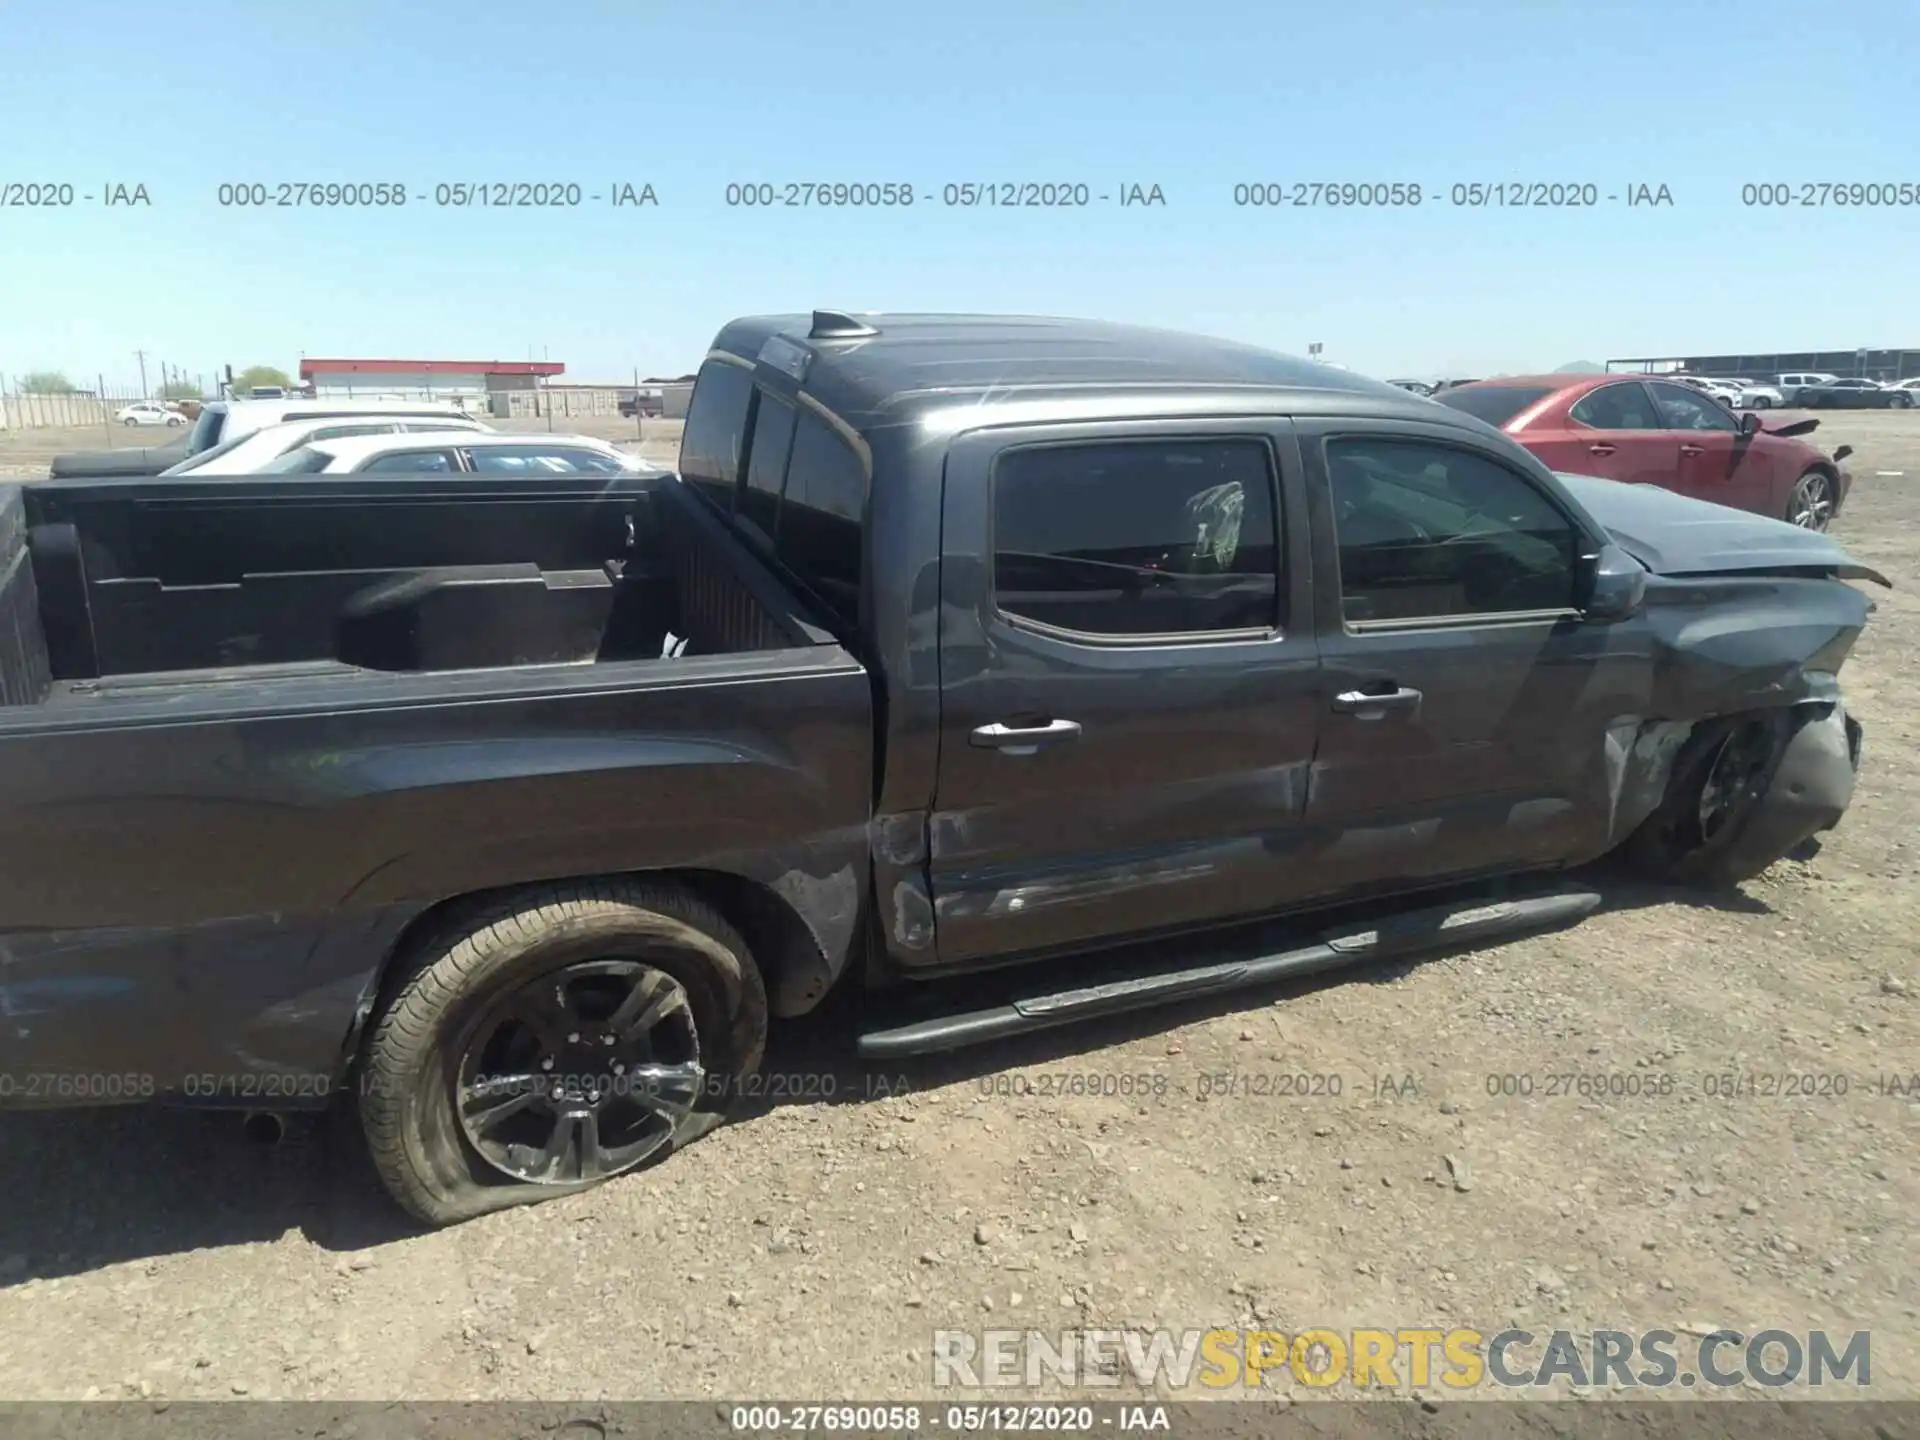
(1196, 97)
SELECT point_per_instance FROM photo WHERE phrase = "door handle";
(1693, 449)
(1367, 706)
(1024, 739)
(1599, 449)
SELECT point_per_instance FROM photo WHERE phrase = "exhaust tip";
(264, 1127)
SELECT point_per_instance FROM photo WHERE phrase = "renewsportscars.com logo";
(1409, 1358)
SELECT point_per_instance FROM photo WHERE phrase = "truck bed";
(253, 731)
(117, 593)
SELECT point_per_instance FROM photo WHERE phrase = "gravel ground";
(811, 1248)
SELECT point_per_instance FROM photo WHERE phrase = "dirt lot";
(812, 1247)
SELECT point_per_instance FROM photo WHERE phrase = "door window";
(1617, 407)
(1684, 410)
(1137, 538)
(541, 459)
(413, 462)
(1428, 531)
(716, 425)
(758, 507)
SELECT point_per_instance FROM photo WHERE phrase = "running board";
(1408, 933)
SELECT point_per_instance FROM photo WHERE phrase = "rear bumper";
(1810, 790)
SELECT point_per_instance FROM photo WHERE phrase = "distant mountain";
(1580, 367)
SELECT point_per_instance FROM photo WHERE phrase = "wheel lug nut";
(574, 1038)
(546, 1064)
(606, 1039)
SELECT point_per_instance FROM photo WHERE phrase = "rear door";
(1467, 699)
(1615, 431)
(1129, 683)
(1713, 459)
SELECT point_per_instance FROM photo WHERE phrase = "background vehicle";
(639, 405)
(245, 454)
(267, 392)
(453, 452)
(229, 420)
(1912, 386)
(1647, 431)
(148, 412)
(592, 777)
(1854, 394)
(1418, 387)
(1792, 383)
(1757, 395)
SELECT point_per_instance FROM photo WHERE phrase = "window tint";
(822, 516)
(1428, 530)
(1687, 410)
(716, 424)
(537, 459)
(1137, 538)
(1495, 404)
(1617, 407)
(206, 430)
(759, 503)
(413, 462)
(303, 461)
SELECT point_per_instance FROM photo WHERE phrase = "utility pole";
(141, 356)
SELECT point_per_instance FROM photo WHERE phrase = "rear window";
(206, 430)
(822, 514)
(304, 461)
(716, 424)
(1495, 404)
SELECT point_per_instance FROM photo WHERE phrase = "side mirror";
(1749, 422)
(1842, 453)
(1612, 584)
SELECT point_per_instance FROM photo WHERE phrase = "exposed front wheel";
(1716, 787)
(559, 1038)
(1900, 401)
(1811, 504)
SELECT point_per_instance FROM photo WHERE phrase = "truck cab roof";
(881, 369)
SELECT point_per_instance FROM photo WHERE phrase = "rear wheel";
(1760, 402)
(1811, 504)
(1718, 780)
(562, 1037)
(1900, 400)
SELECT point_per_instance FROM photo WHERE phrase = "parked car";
(1794, 381)
(1911, 386)
(247, 454)
(224, 420)
(148, 412)
(267, 392)
(1854, 394)
(444, 452)
(1645, 430)
(1758, 395)
(639, 405)
(1418, 387)
(517, 813)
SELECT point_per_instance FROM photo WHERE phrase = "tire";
(1810, 505)
(129, 422)
(1900, 402)
(1760, 402)
(1676, 843)
(447, 1001)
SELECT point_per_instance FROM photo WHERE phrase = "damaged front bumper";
(1810, 790)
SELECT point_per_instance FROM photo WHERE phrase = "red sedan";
(1648, 431)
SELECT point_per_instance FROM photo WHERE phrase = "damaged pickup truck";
(513, 810)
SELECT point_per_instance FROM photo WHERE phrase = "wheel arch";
(794, 965)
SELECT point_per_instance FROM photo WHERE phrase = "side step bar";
(1409, 933)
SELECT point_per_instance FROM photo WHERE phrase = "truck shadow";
(94, 1189)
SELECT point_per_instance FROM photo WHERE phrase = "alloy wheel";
(580, 1074)
(1812, 504)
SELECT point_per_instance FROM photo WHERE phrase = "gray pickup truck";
(512, 811)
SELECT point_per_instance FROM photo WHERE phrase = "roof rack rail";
(838, 325)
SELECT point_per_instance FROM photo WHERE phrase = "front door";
(1715, 460)
(1129, 683)
(1468, 700)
